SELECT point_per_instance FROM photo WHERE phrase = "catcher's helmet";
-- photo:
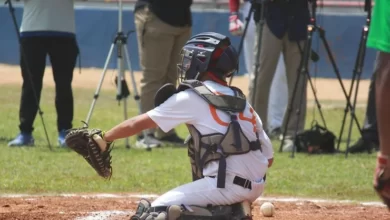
(205, 52)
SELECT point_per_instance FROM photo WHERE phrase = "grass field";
(39, 170)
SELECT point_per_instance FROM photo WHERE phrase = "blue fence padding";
(96, 29)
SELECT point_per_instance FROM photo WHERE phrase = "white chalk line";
(103, 215)
(107, 214)
(151, 196)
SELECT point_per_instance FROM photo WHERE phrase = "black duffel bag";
(317, 140)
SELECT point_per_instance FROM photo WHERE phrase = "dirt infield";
(115, 207)
(327, 89)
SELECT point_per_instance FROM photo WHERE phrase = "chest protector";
(203, 149)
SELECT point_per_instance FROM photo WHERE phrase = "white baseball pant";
(279, 94)
(204, 191)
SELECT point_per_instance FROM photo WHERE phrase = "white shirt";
(48, 16)
(189, 108)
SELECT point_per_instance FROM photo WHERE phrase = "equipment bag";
(317, 140)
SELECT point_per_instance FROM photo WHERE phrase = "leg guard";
(238, 211)
(206, 213)
(242, 211)
(142, 211)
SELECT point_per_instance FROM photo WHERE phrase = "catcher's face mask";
(192, 63)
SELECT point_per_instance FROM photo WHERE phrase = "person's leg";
(382, 90)
(370, 139)
(182, 36)
(155, 42)
(34, 60)
(278, 99)
(271, 48)
(204, 191)
(292, 57)
(63, 55)
(249, 45)
(370, 126)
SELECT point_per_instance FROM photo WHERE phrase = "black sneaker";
(149, 142)
(173, 139)
(362, 146)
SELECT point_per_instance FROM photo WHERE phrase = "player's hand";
(90, 144)
(270, 162)
(235, 25)
(382, 178)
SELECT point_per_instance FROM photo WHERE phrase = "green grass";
(39, 170)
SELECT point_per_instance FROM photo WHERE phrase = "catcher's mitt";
(89, 143)
(382, 178)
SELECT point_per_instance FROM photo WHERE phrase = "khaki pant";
(271, 47)
(159, 46)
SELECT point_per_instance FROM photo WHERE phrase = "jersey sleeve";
(176, 110)
(266, 143)
(234, 5)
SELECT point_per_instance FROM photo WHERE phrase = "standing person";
(48, 28)
(162, 27)
(277, 101)
(284, 31)
(379, 39)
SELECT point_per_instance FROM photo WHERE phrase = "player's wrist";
(382, 158)
(105, 138)
(233, 16)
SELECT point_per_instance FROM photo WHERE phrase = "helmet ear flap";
(227, 61)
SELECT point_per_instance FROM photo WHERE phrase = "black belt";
(247, 184)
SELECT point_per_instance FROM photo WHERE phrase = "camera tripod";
(257, 8)
(120, 42)
(23, 54)
(303, 70)
(359, 63)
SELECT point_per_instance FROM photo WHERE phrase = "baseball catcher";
(228, 149)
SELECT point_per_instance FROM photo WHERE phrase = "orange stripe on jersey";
(251, 120)
(241, 115)
(216, 118)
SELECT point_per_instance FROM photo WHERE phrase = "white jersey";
(48, 17)
(189, 108)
